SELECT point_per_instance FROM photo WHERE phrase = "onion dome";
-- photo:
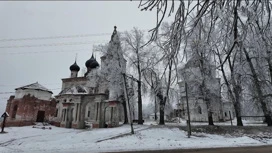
(91, 63)
(94, 64)
(74, 67)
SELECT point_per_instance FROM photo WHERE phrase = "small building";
(31, 103)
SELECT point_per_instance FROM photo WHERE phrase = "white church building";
(96, 98)
(191, 73)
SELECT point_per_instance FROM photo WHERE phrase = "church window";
(56, 114)
(107, 93)
(89, 112)
(72, 114)
(64, 114)
(226, 114)
(199, 110)
(96, 89)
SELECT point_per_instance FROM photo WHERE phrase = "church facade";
(95, 99)
(200, 104)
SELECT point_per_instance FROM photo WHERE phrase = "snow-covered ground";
(147, 137)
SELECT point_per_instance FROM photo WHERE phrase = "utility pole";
(188, 112)
(127, 104)
(230, 118)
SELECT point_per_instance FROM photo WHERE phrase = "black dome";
(91, 63)
(74, 67)
(94, 64)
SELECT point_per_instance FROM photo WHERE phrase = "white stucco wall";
(74, 74)
(43, 95)
(73, 83)
(193, 77)
(152, 116)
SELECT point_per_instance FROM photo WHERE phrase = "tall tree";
(161, 82)
(134, 43)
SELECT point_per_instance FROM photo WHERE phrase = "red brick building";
(31, 103)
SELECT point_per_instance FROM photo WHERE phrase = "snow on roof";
(75, 90)
(35, 86)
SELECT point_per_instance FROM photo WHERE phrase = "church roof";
(75, 90)
(91, 63)
(74, 67)
(115, 37)
(35, 86)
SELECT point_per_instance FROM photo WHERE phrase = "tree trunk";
(161, 99)
(156, 109)
(125, 112)
(237, 106)
(162, 104)
(236, 92)
(270, 68)
(210, 118)
(205, 93)
(140, 113)
(265, 109)
(235, 99)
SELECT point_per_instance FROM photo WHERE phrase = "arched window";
(56, 114)
(72, 114)
(107, 92)
(63, 114)
(199, 110)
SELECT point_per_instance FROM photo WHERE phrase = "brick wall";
(18, 123)
(27, 109)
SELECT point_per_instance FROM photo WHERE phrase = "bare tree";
(161, 79)
(136, 53)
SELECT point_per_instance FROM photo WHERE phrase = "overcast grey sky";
(22, 63)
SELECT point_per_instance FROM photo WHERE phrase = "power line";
(60, 37)
(55, 37)
(35, 52)
(54, 44)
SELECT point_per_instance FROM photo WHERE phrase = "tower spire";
(76, 58)
(114, 33)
